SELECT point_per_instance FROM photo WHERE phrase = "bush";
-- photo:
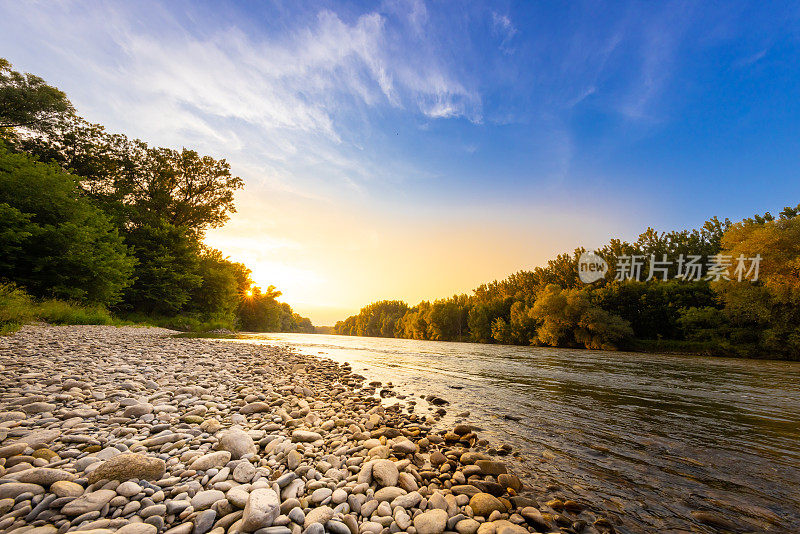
(60, 312)
(16, 309)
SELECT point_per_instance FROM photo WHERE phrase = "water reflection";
(650, 436)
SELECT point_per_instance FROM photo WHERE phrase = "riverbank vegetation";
(550, 305)
(112, 228)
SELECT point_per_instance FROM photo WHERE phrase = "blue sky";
(415, 149)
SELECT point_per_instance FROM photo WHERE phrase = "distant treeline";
(551, 306)
(96, 218)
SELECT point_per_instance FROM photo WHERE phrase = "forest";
(715, 313)
(112, 227)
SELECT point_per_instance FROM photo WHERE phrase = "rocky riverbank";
(127, 430)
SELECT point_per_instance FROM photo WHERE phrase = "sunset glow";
(381, 147)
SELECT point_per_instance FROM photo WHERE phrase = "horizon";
(412, 152)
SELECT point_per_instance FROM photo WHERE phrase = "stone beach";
(130, 430)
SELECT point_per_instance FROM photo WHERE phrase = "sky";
(414, 150)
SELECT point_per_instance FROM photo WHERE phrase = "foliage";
(16, 308)
(27, 101)
(550, 306)
(53, 241)
(61, 312)
(97, 218)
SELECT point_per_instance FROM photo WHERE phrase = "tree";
(223, 285)
(27, 101)
(568, 318)
(53, 242)
(167, 271)
(765, 315)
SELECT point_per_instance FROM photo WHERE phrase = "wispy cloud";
(505, 30)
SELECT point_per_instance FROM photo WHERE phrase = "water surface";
(650, 437)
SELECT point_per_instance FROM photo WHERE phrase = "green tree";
(53, 242)
(27, 101)
(167, 271)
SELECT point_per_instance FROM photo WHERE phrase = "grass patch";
(60, 312)
(211, 335)
(16, 309)
(183, 323)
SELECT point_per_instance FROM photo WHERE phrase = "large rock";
(127, 466)
(484, 504)
(214, 459)
(431, 522)
(263, 506)
(12, 489)
(89, 502)
(490, 467)
(44, 476)
(40, 438)
(385, 472)
(14, 449)
(237, 442)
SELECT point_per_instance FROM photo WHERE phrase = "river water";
(648, 437)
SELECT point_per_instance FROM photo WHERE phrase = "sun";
(249, 293)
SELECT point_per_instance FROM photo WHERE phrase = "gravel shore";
(128, 430)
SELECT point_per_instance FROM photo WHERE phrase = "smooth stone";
(128, 466)
(244, 472)
(44, 476)
(204, 499)
(297, 515)
(408, 501)
(431, 522)
(88, 502)
(389, 494)
(483, 504)
(155, 509)
(263, 506)
(237, 442)
(323, 514)
(14, 489)
(237, 497)
(40, 438)
(204, 521)
(490, 467)
(314, 528)
(128, 488)
(467, 526)
(138, 528)
(214, 459)
(320, 495)
(385, 472)
(13, 450)
(305, 436)
(65, 488)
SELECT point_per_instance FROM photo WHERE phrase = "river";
(648, 437)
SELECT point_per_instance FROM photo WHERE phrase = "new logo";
(591, 267)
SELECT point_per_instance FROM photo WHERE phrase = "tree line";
(550, 306)
(96, 218)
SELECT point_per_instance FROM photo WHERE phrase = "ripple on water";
(652, 437)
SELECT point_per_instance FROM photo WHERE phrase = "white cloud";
(505, 30)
